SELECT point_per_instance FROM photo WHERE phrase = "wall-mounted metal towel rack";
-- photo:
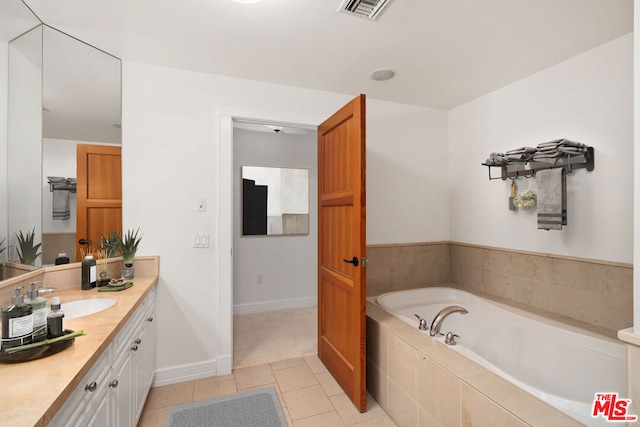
(68, 184)
(528, 169)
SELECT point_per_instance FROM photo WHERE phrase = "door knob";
(85, 241)
(353, 261)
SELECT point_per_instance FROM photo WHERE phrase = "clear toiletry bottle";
(55, 319)
(38, 305)
(17, 322)
(88, 273)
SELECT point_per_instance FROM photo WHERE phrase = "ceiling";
(444, 52)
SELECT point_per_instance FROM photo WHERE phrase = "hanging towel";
(552, 199)
(61, 210)
(59, 185)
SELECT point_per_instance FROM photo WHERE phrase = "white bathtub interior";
(560, 364)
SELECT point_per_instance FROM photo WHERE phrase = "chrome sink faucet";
(442, 314)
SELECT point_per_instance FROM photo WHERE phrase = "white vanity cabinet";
(76, 409)
(144, 357)
(115, 389)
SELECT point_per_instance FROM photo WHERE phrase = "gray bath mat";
(253, 408)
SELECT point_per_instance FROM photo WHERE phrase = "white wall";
(287, 264)
(407, 174)
(25, 134)
(636, 156)
(171, 143)
(4, 76)
(589, 99)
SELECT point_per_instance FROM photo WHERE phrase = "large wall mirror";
(62, 92)
(275, 201)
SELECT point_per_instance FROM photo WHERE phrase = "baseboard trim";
(181, 373)
(262, 307)
(225, 364)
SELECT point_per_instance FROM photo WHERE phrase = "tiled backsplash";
(405, 266)
(595, 292)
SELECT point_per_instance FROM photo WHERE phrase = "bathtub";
(560, 364)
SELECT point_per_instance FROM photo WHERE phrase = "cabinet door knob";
(134, 348)
(138, 341)
(113, 384)
(150, 319)
(91, 387)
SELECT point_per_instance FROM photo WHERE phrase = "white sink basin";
(85, 307)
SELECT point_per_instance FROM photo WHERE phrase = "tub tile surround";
(404, 266)
(598, 293)
(632, 345)
(419, 381)
(594, 294)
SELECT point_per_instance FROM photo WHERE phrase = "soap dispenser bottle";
(88, 273)
(17, 322)
(39, 306)
(62, 259)
(55, 326)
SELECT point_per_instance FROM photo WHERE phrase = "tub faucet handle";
(423, 323)
(451, 338)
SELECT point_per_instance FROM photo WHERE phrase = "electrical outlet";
(259, 279)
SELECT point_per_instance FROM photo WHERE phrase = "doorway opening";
(273, 313)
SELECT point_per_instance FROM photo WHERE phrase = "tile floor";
(308, 394)
(260, 338)
(277, 348)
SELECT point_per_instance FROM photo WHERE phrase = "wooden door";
(341, 249)
(99, 194)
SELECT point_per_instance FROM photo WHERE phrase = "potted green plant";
(27, 251)
(128, 247)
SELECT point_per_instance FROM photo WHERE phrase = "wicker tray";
(38, 352)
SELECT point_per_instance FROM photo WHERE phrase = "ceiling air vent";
(369, 9)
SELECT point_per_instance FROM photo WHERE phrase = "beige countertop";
(33, 391)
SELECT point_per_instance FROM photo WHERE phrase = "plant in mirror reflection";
(2, 247)
(27, 250)
(111, 244)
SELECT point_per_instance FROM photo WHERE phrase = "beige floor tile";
(208, 389)
(231, 376)
(295, 378)
(288, 363)
(349, 413)
(287, 417)
(307, 402)
(170, 395)
(384, 421)
(315, 364)
(263, 338)
(329, 384)
(328, 419)
(254, 376)
(154, 417)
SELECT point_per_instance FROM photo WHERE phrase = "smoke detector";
(369, 9)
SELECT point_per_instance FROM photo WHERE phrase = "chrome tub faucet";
(442, 314)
